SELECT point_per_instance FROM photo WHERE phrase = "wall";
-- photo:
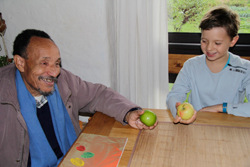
(77, 26)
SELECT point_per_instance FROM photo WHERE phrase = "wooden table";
(103, 125)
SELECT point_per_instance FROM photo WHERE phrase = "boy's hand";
(178, 119)
(215, 108)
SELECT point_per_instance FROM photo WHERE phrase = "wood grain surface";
(104, 125)
(171, 145)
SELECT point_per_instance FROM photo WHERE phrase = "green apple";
(148, 118)
(185, 111)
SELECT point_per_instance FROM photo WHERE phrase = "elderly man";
(40, 103)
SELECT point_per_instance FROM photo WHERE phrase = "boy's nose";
(209, 46)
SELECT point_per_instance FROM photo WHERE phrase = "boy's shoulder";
(195, 62)
(237, 60)
(196, 59)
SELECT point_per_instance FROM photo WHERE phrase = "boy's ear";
(235, 39)
(19, 62)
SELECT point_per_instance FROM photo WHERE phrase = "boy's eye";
(217, 43)
(203, 41)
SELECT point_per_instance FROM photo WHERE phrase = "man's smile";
(49, 80)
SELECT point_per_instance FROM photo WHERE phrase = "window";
(184, 17)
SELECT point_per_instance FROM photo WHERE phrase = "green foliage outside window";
(185, 15)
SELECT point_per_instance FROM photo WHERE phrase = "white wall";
(77, 26)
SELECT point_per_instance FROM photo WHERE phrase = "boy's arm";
(242, 109)
(180, 89)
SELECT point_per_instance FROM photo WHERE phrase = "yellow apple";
(185, 111)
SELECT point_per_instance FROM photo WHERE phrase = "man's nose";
(53, 71)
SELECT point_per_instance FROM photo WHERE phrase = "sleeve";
(90, 97)
(242, 109)
(180, 89)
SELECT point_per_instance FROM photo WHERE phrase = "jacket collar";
(64, 90)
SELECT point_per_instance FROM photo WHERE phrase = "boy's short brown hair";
(221, 16)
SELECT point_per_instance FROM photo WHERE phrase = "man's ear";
(19, 62)
(235, 39)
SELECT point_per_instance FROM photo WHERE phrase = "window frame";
(189, 43)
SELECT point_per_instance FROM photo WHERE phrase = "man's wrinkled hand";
(133, 119)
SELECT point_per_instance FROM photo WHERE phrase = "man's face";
(42, 66)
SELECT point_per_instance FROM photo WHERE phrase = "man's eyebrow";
(47, 58)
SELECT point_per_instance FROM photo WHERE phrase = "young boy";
(218, 79)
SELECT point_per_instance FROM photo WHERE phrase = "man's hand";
(178, 119)
(133, 119)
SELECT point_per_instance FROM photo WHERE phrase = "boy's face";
(216, 42)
